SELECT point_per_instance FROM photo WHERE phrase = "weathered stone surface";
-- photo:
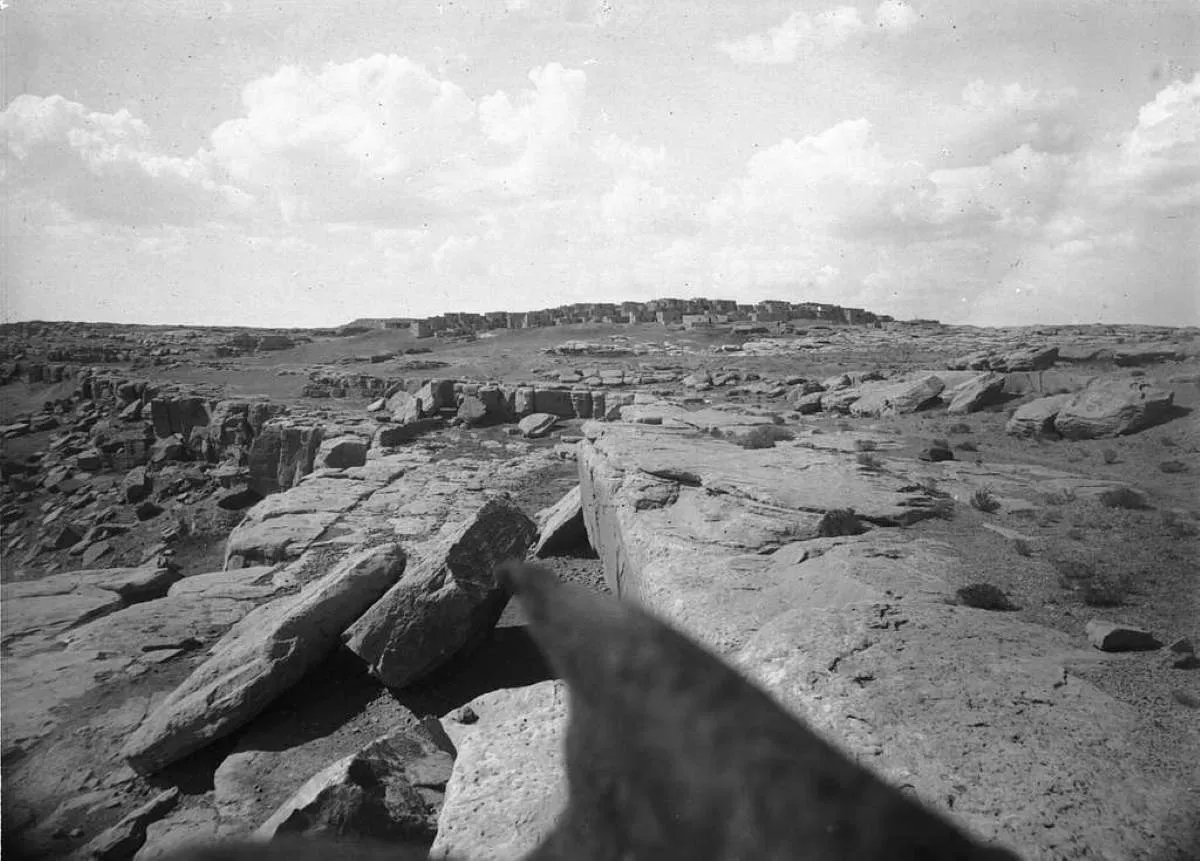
(120, 842)
(472, 411)
(537, 424)
(976, 394)
(844, 629)
(281, 453)
(136, 484)
(1109, 408)
(1115, 637)
(342, 452)
(390, 790)
(1036, 418)
(262, 655)
(403, 407)
(897, 398)
(561, 525)
(446, 601)
(508, 786)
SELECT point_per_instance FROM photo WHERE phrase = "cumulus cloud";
(802, 32)
(105, 166)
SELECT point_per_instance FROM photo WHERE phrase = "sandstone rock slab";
(1110, 408)
(263, 654)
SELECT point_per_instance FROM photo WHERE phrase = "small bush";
(840, 521)
(983, 500)
(1021, 546)
(1123, 497)
(1178, 528)
(1173, 466)
(865, 445)
(1059, 497)
(868, 461)
(1104, 590)
(1110, 455)
(1073, 572)
(1048, 517)
(984, 596)
(1075, 534)
(1168, 441)
(764, 436)
(715, 433)
(1076, 455)
(967, 445)
(959, 427)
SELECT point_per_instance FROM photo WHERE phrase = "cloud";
(802, 33)
(104, 165)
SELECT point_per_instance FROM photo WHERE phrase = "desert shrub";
(930, 486)
(1059, 497)
(715, 433)
(1075, 534)
(845, 426)
(777, 419)
(938, 442)
(1048, 517)
(1168, 441)
(1123, 497)
(959, 427)
(763, 436)
(868, 461)
(943, 508)
(983, 500)
(1173, 466)
(1110, 455)
(865, 445)
(1073, 571)
(1021, 546)
(1178, 528)
(967, 445)
(984, 596)
(1104, 590)
(840, 521)
(1076, 455)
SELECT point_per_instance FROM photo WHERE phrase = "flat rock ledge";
(980, 715)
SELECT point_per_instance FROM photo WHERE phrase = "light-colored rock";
(391, 790)
(508, 785)
(341, 452)
(122, 840)
(446, 601)
(537, 425)
(1115, 637)
(975, 394)
(561, 525)
(1109, 408)
(897, 398)
(1036, 418)
(261, 656)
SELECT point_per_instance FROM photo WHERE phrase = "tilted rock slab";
(975, 394)
(897, 398)
(1109, 408)
(262, 655)
(447, 600)
(390, 790)
(1036, 418)
(853, 635)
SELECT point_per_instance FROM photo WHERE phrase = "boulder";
(561, 526)
(508, 786)
(553, 401)
(976, 394)
(807, 404)
(403, 407)
(121, 841)
(342, 452)
(537, 424)
(281, 453)
(265, 653)
(1036, 418)
(136, 484)
(897, 398)
(1109, 408)
(391, 790)
(447, 601)
(167, 449)
(1114, 637)
(472, 410)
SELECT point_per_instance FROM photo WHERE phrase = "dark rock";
(1114, 637)
(136, 485)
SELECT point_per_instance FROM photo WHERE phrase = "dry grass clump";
(840, 521)
(1173, 466)
(1123, 497)
(763, 436)
(983, 500)
(1059, 497)
(868, 461)
(1177, 526)
(959, 427)
(984, 596)
(865, 445)
(1097, 587)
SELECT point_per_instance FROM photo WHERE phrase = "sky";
(290, 163)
